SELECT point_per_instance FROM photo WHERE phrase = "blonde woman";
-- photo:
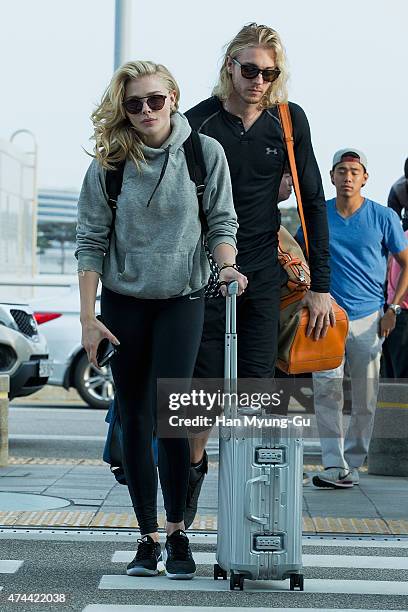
(153, 269)
(242, 115)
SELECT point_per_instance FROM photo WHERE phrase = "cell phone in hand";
(105, 350)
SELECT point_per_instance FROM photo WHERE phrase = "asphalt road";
(61, 432)
(56, 432)
(75, 569)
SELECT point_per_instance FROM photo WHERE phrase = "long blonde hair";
(254, 35)
(115, 137)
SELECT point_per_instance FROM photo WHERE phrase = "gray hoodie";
(156, 251)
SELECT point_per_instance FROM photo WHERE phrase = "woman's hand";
(93, 331)
(229, 274)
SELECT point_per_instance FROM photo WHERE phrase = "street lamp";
(122, 32)
(34, 157)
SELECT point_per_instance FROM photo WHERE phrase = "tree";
(42, 242)
(290, 219)
(56, 232)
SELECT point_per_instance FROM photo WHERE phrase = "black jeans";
(257, 329)
(395, 349)
(158, 339)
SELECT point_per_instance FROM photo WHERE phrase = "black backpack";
(197, 171)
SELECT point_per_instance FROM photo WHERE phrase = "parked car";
(23, 350)
(58, 318)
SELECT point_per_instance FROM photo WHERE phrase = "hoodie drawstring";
(163, 170)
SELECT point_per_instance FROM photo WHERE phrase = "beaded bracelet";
(229, 265)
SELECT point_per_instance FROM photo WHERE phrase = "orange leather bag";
(297, 353)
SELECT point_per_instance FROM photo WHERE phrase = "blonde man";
(242, 115)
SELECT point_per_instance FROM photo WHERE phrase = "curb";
(205, 522)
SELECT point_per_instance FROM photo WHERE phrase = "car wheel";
(94, 385)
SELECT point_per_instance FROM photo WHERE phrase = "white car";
(23, 350)
(58, 318)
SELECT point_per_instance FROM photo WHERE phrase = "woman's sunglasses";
(133, 106)
(249, 71)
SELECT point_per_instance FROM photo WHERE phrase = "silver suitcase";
(259, 490)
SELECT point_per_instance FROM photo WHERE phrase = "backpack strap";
(113, 186)
(197, 171)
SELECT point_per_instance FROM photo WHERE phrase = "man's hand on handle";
(321, 314)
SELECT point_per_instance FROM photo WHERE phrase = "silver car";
(23, 350)
(58, 318)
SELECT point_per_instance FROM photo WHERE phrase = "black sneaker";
(195, 483)
(146, 559)
(177, 558)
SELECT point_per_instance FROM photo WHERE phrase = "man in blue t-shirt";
(362, 234)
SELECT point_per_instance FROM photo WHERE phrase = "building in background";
(57, 212)
(57, 205)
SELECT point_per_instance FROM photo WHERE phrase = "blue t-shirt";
(359, 246)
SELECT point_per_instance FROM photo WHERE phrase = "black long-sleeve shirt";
(256, 159)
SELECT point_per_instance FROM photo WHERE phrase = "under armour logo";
(269, 150)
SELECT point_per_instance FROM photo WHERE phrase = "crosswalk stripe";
(361, 562)
(334, 542)
(9, 566)
(136, 608)
(201, 583)
(346, 561)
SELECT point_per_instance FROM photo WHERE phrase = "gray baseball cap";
(356, 155)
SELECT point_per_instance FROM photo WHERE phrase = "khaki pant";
(362, 360)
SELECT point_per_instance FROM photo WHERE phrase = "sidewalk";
(84, 494)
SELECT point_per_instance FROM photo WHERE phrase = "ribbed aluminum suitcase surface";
(259, 492)
(260, 504)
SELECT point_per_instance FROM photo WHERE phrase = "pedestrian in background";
(286, 185)
(398, 197)
(395, 348)
(394, 362)
(362, 233)
(153, 269)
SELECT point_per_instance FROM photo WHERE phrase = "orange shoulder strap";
(286, 122)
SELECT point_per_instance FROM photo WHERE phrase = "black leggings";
(158, 339)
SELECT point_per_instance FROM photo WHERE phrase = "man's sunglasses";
(249, 71)
(133, 106)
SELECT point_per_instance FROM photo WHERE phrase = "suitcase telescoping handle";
(230, 364)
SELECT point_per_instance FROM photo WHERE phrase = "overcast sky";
(348, 63)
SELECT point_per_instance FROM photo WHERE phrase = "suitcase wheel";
(219, 572)
(296, 582)
(236, 581)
